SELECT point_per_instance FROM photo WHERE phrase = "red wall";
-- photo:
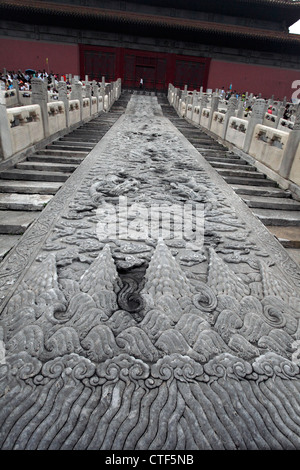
(253, 78)
(18, 54)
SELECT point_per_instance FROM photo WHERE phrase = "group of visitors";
(229, 93)
(24, 79)
(288, 111)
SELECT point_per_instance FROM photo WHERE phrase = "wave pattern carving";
(190, 346)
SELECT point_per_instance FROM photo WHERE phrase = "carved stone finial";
(259, 109)
(232, 103)
(204, 100)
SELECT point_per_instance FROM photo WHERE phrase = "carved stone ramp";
(27, 186)
(147, 308)
(274, 206)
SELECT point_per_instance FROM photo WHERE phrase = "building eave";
(80, 17)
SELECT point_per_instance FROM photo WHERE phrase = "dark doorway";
(145, 65)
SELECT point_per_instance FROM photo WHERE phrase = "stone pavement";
(147, 308)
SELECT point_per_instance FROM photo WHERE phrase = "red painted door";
(189, 72)
(156, 68)
(98, 64)
(147, 74)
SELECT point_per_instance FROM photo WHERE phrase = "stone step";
(209, 149)
(55, 159)
(29, 187)
(224, 161)
(16, 222)
(231, 166)
(199, 146)
(288, 236)
(24, 202)
(15, 174)
(212, 152)
(201, 141)
(188, 128)
(62, 153)
(265, 202)
(7, 242)
(77, 140)
(89, 133)
(277, 217)
(227, 158)
(80, 140)
(72, 143)
(257, 191)
(243, 180)
(47, 166)
(240, 173)
(97, 124)
(73, 147)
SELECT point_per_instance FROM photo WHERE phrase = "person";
(248, 110)
(270, 110)
(141, 83)
(228, 95)
(222, 93)
(287, 112)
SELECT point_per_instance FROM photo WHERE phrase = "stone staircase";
(274, 206)
(29, 185)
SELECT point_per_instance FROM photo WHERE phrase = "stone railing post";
(240, 109)
(291, 147)
(195, 98)
(203, 103)
(280, 114)
(16, 87)
(76, 94)
(184, 99)
(108, 95)
(257, 117)
(170, 91)
(189, 100)
(213, 107)
(40, 96)
(88, 94)
(102, 91)
(176, 98)
(95, 91)
(231, 108)
(63, 96)
(6, 148)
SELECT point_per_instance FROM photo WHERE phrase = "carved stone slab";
(147, 308)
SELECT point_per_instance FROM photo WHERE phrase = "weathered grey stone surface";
(6, 244)
(148, 343)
